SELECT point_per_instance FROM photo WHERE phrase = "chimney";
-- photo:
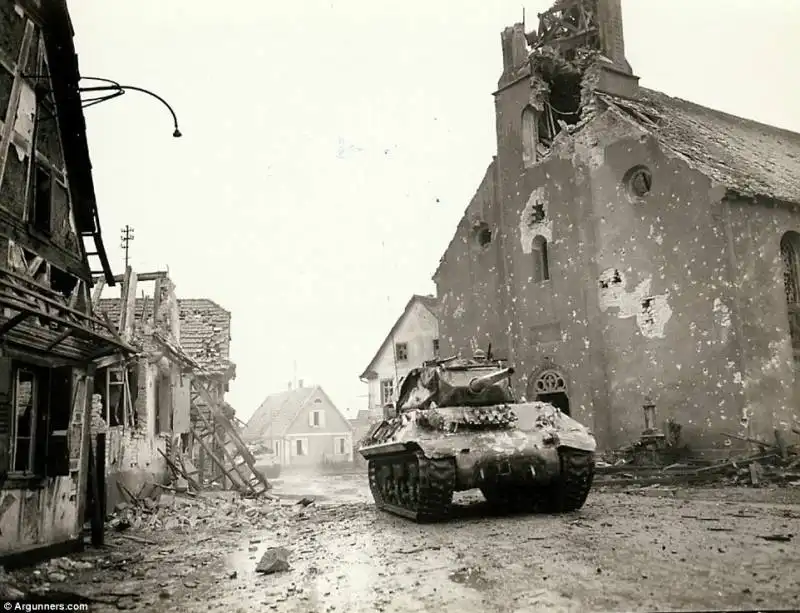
(299, 384)
(515, 49)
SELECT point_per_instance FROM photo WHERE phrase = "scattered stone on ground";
(729, 547)
(274, 560)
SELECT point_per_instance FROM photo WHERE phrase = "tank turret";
(454, 382)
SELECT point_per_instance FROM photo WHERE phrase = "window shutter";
(322, 419)
(61, 409)
(311, 418)
(6, 413)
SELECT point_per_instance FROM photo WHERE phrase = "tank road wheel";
(413, 486)
(570, 491)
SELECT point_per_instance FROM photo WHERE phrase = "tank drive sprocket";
(413, 486)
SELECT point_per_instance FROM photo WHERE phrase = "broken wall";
(133, 460)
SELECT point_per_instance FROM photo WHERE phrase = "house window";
(26, 394)
(315, 419)
(387, 391)
(120, 386)
(35, 409)
(42, 199)
(401, 352)
(541, 265)
(436, 347)
(62, 282)
(299, 447)
(340, 446)
(790, 254)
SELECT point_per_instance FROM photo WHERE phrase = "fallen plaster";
(651, 312)
(534, 220)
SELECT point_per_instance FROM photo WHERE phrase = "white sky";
(330, 148)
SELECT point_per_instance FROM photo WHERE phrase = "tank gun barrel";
(478, 384)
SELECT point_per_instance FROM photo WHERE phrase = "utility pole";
(127, 237)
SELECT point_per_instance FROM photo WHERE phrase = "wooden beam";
(17, 231)
(37, 295)
(145, 276)
(98, 289)
(59, 339)
(111, 328)
(107, 361)
(123, 301)
(13, 322)
(129, 306)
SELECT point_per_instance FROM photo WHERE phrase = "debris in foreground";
(775, 463)
(186, 513)
(274, 560)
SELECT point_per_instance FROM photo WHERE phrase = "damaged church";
(626, 248)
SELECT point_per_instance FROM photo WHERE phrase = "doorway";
(558, 399)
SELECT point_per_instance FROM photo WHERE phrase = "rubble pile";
(774, 463)
(180, 513)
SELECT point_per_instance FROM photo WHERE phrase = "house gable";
(331, 420)
(276, 414)
(418, 327)
(420, 314)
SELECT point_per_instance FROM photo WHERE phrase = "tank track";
(569, 493)
(412, 486)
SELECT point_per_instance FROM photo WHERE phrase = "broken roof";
(278, 412)
(205, 330)
(429, 302)
(748, 157)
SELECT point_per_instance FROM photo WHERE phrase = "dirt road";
(624, 551)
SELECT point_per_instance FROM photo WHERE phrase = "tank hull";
(516, 455)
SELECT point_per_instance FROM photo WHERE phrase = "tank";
(456, 425)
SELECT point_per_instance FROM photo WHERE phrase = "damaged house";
(625, 246)
(50, 338)
(166, 411)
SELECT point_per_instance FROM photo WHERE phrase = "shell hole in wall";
(610, 278)
(638, 181)
(482, 234)
(647, 311)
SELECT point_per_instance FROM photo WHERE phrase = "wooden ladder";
(236, 463)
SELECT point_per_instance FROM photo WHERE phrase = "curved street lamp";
(117, 90)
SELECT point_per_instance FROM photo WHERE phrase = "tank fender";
(391, 447)
(576, 439)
